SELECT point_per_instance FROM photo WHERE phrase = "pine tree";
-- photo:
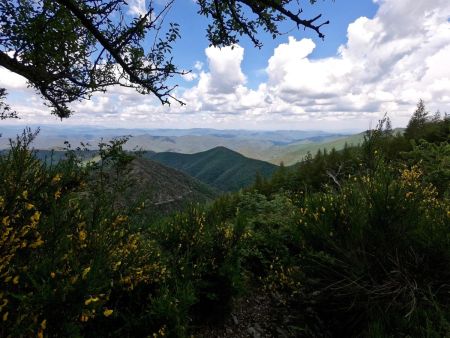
(417, 121)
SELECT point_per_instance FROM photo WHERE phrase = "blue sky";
(378, 56)
(341, 13)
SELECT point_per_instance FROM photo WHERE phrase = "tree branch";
(294, 17)
(72, 7)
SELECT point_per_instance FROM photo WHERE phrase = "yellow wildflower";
(57, 194)
(56, 179)
(5, 302)
(91, 300)
(29, 206)
(5, 221)
(85, 272)
(82, 235)
(121, 218)
(16, 280)
(25, 194)
(38, 243)
(44, 324)
(108, 312)
(36, 217)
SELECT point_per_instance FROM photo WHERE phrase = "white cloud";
(225, 69)
(11, 80)
(191, 76)
(198, 65)
(387, 63)
(137, 7)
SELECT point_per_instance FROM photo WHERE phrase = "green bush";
(346, 244)
(74, 264)
(376, 257)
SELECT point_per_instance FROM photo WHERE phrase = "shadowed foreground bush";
(366, 254)
(71, 265)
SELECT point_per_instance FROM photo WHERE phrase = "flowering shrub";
(73, 265)
(362, 251)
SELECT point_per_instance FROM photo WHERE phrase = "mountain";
(163, 187)
(295, 153)
(262, 145)
(219, 167)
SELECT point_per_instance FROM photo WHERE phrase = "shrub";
(376, 257)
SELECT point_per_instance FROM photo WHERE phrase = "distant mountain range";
(294, 153)
(219, 167)
(288, 146)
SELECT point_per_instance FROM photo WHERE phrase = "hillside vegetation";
(163, 187)
(220, 167)
(351, 243)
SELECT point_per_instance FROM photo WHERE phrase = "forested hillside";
(220, 167)
(351, 243)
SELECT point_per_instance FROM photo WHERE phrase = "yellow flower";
(52, 274)
(40, 333)
(82, 235)
(57, 194)
(121, 218)
(36, 244)
(36, 217)
(5, 302)
(16, 280)
(29, 206)
(85, 272)
(25, 194)
(44, 324)
(5, 221)
(56, 179)
(108, 312)
(91, 300)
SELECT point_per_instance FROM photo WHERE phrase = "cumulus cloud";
(198, 65)
(11, 80)
(387, 63)
(225, 73)
(191, 76)
(137, 7)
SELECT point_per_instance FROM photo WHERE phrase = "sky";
(378, 56)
